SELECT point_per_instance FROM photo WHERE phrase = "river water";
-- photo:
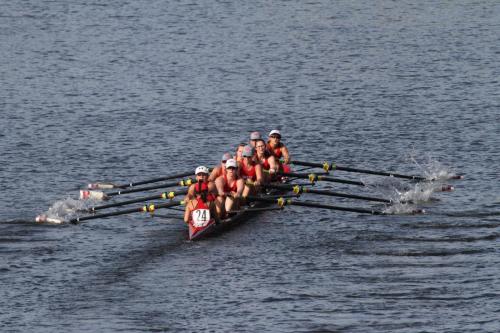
(130, 90)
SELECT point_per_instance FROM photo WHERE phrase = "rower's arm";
(190, 193)
(240, 185)
(273, 165)
(219, 185)
(258, 174)
(187, 212)
(214, 174)
(212, 188)
(286, 155)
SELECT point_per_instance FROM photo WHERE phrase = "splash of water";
(64, 209)
(430, 167)
(400, 208)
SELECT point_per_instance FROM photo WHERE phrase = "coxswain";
(229, 188)
(268, 162)
(250, 171)
(277, 148)
(201, 198)
(254, 136)
(220, 169)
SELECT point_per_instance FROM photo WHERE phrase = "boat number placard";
(201, 217)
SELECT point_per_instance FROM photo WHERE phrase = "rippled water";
(126, 91)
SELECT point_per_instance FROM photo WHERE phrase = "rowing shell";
(198, 232)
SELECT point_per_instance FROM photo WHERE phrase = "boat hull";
(242, 215)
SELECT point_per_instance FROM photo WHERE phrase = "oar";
(99, 195)
(313, 177)
(332, 166)
(106, 186)
(302, 189)
(285, 202)
(145, 208)
(164, 195)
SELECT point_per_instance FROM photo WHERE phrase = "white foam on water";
(64, 209)
(400, 208)
(430, 167)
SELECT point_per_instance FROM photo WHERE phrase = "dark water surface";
(130, 90)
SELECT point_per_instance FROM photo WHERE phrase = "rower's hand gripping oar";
(107, 186)
(332, 166)
(99, 195)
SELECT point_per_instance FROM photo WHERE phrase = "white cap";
(231, 163)
(274, 132)
(201, 169)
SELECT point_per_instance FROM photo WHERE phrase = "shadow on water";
(416, 253)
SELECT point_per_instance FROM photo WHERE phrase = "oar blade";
(94, 195)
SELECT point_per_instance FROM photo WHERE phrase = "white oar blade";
(94, 195)
(445, 188)
(45, 219)
(101, 186)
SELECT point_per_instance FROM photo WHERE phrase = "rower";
(254, 136)
(268, 162)
(276, 147)
(201, 174)
(230, 188)
(239, 152)
(251, 171)
(221, 168)
(201, 199)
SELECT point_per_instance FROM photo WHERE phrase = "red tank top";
(265, 162)
(248, 172)
(200, 204)
(275, 151)
(204, 187)
(232, 188)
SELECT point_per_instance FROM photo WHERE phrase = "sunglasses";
(231, 168)
(202, 174)
(223, 162)
(275, 137)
